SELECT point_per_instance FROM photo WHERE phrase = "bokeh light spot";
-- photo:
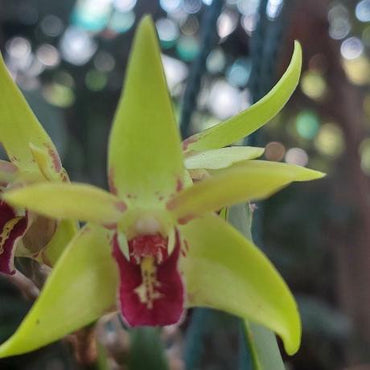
(351, 48)
(226, 23)
(313, 85)
(364, 151)
(307, 124)
(187, 48)
(216, 61)
(274, 151)
(168, 32)
(77, 46)
(296, 156)
(363, 11)
(357, 70)
(95, 80)
(51, 26)
(48, 55)
(329, 140)
(224, 100)
(121, 21)
(238, 73)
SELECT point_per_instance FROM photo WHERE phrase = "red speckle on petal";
(151, 293)
(179, 185)
(188, 141)
(57, 164)
(121, 206)
(148, 246)
(110, 226)
(184, 220)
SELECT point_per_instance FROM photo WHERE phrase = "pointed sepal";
(19, 126)
(145, 156)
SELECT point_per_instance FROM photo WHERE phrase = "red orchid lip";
(151, 292)
(12, 228)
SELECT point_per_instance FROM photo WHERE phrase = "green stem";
(260, 342)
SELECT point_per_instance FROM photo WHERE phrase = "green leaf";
(146, 348)
(263, 347)
(222, 158)
(19, 126)
(80, 289)
(145, 156)
(261, 341)
(251, 180)
(225, 271)
(73, 201)
(248, 121)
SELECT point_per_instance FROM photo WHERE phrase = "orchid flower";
(155, 240)
(32, 158)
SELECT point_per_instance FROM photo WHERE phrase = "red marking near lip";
(167, 301)
(148, 245)
(121, 206)
(12, 227)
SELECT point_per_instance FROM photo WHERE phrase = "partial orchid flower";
(155, 240)
(32, 158)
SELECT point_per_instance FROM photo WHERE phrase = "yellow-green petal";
(73, 201)
(19, 126)
(248, 121)
(80, 289)
(251, 180)
(225, 271)
(222, 158)
(145, 156)
(49, 164)
(64, 233)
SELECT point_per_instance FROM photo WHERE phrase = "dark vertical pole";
(209, 39)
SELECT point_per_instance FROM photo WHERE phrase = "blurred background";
(69, 57)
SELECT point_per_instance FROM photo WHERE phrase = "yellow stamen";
(8, 227)
(147, 290)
